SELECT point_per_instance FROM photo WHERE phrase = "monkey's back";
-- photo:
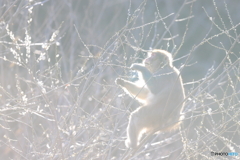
(168, 102)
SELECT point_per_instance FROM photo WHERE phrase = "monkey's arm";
(147, 76)
(133, 89)
(145, 72)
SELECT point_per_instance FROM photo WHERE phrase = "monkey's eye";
(149, 54)
(153, 54)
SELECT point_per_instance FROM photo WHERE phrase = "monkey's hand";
(145, 72)
(136, 66)
(120, 81)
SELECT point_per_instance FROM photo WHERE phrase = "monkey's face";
(155, 61)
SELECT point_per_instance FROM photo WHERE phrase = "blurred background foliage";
(59, 60)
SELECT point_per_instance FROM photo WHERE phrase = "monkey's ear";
(129, 145)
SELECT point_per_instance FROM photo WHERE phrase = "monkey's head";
(157, 59)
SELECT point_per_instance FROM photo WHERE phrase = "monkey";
(162, 95)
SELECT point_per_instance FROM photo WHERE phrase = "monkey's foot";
(130, 144)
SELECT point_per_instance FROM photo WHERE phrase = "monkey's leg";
(146, 118)
(132, 139)
(137, 124)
